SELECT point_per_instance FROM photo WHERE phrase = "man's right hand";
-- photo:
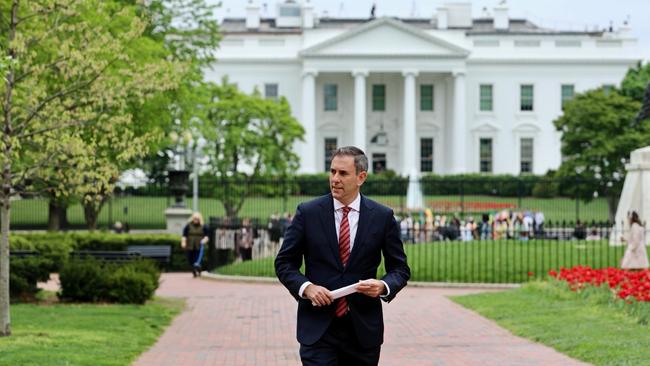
(318, 295)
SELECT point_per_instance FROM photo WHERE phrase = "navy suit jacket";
(312, 236)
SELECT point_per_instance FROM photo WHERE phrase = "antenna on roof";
(414, 9)
(341, 9)
(372, 10)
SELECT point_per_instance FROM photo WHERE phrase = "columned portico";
(409, 145)
(308, 159)
(360, 108)
(459, 129)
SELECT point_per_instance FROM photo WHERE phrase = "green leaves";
(598, 135)
(249, 137)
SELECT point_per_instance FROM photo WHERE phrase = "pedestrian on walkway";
(195, 237)
(341, 238)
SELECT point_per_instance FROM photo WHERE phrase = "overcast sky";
(556, 14)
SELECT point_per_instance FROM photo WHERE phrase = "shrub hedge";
(89, 280)
(57, 246)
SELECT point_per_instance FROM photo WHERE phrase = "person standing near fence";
(636, 256)
(341, 237)
(195, 237)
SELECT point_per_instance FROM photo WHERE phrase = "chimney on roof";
(442, 17)
(501, 20)
(252, 15)
(308, 15)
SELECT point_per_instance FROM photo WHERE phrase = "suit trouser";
(339, 346)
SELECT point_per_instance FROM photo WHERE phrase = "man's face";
(344, 182)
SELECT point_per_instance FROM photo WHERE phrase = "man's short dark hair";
(360, 158)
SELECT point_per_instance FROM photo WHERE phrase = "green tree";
(190, 31)
(636, 81)
(598, 134)
(69, 76)
(249, 138)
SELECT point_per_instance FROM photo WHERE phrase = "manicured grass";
(595, 332)
(502, 261)
(84, 334)
(149, 212)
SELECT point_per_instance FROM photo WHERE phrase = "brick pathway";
(229, 323)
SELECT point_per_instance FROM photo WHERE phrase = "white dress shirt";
(353, 221)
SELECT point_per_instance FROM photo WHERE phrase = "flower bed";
(626, 285)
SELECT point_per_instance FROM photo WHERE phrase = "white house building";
(449, 94)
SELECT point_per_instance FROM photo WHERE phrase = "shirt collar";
(355, 205)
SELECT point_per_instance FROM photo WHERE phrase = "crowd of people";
(421, 227)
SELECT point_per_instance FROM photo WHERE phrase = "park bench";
(160, 253)
(23, 253)
(106, 255)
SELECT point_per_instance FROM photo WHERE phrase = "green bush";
(85, 280)
(128, 285)
(52, 246)
(89, 280)
(25, 273)
(504, 185)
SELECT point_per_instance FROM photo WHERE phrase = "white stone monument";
(635, 195)
(414, 197)
(177, 218)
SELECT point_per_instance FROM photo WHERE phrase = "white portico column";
(458, 128)
(308, 160)
(409, 145)
(360, 108)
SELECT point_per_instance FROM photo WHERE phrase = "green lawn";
(149, 212)
(84, 334)
(503, 261)
(595, 332)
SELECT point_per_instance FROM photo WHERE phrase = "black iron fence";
(494, 252)
(470, 197)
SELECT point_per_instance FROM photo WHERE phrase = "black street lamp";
(178, 186)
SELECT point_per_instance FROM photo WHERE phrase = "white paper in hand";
(344, 291)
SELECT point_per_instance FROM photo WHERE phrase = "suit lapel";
(365, 218)
(329, 227)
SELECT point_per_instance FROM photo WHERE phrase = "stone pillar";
(409, 143)
(360, 108)
(635, 195)
(459, 126)
(414, 198)
(308, 158)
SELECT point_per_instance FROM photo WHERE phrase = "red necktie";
(344, 252)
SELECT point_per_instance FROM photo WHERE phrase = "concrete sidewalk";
(232, 323)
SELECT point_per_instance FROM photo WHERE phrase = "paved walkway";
(229, 323)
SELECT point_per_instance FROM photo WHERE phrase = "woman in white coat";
(635, 256)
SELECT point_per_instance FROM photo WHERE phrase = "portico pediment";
(385, 37)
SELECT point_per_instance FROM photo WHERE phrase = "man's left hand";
(371, 287)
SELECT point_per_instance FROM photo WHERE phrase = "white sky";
(556, 14)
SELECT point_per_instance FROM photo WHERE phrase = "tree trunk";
(57, 217)
(5, 321)
(91, 212)
(612, 205)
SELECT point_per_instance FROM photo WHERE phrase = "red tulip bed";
(626, 284)
(629, 291)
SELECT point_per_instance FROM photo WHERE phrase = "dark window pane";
(527, 97)
(379, 97)
(485, 155)
(426, 155)
(426, 97)
(330, 146)
(331, 97)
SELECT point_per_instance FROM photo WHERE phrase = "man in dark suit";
(341, 237)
